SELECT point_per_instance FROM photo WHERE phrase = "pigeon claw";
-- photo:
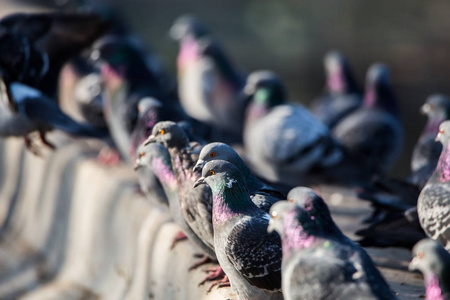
(224, 282)
(180, 236)
(215, 273)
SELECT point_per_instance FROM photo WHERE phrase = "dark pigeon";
(249, 256)
(433, 205)
(40, 44)
(433, 261)
(319, 261)
(129, 75)
(373, 134)
(341, 95)
(427, 151)
(261, 194)
(209, 86)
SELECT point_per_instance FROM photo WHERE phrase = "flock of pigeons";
(224, 151)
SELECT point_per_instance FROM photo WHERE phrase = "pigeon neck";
(251, 182)
(443, 167)
(336, 83)
(229, 200)
(380, 96)
(433, 290)
(165, 174)
(294, 235)
(189, 52)
(432, 126)
(182, 167)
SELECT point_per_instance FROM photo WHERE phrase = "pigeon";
(37, 112)
(284, 142)
(427, 151)
(319, 261)
(34, 47)
(342, 94)
(433, 205)
(433, 261)
(209, 86)
(129, 75)
(261, 194)
(373, 133)
(152, 164)
(195, 204)
(249, 256)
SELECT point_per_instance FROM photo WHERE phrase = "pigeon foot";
(224, 282)
(204, 260)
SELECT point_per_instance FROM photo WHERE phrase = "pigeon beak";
(438, 137)
(150, 139)
(137, 164)
(413, 264)
(199, 165)
(199, 181)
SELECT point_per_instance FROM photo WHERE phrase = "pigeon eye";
(161, 131)
(212, 154)
(274, 215)
(441, 131)
(211, 172)
(420, 255)
(291, 200)
(141, 154)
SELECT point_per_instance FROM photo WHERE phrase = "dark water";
(291, 37)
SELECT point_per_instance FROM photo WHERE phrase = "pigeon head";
(315, 215)
(444, 133)
(265, 88)
(188, 25)
(147, 103)
(379, 93)
(146, 154)
(433, 261)
(169, 134)
(340, 79)
(217, 151)
(436, 107)
(277, 213)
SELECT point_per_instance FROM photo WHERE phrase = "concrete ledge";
(72, 229)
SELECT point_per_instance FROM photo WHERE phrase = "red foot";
(215, 273)
(180, 236)
(204, 260)
(224, 282)
(108, 156)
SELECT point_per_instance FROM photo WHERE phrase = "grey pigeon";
(37, 112)
(195, 204)
(249, 256)
(433, 261)
(319, 261)
(427, 151)
(373, 133)
(261, 194)
(284, 142)
(209, 86)
(433, 205)
(341, 95)
(148, 158)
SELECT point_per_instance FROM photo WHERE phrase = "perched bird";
(341, 95)
(319, 261)
(249, 256)
(37, 112)
(433, 261)
(150, 159)
(284, 141)
(427, 151)
(373, 133)
(128, 76)
(261, 194)
(433, 205)
(34, 47)
(209, 85)
(195, 204)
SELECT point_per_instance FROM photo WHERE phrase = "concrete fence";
(74, 229)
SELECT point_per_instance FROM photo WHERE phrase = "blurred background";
(291, 38)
